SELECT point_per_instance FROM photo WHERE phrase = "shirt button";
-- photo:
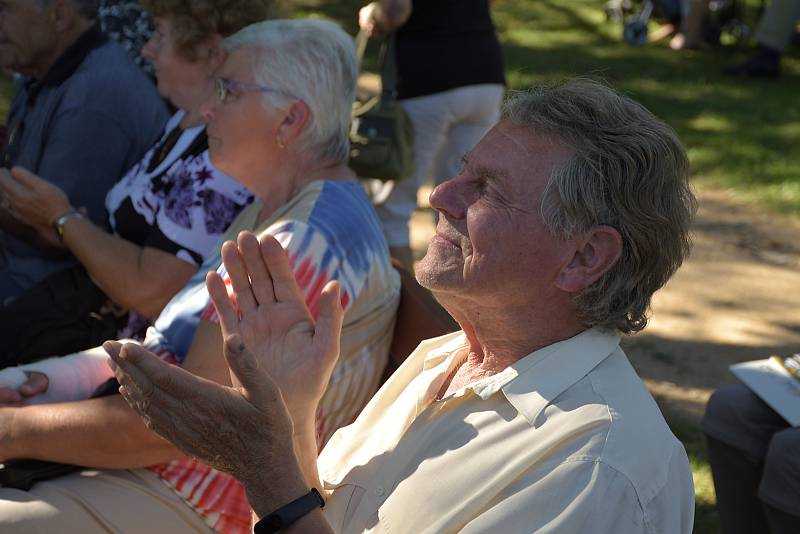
(379, 491)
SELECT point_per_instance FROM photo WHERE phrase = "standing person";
(83, 114)
(450, 82)
(775, 30)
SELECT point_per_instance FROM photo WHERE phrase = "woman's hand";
(368, 21)
(35, 384)
(32, 200)
(382, 17)
(274, 322)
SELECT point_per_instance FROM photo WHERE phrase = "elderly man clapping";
(568, 215)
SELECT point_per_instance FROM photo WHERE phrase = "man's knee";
(730, 404)
(780, 484)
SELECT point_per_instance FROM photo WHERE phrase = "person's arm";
(384, 16)
(103, 432)
(141, 278)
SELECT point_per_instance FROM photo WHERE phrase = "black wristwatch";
(288, 514)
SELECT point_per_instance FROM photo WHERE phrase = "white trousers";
(446, 126)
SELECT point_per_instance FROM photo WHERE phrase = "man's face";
(491, 245)
(26, 37)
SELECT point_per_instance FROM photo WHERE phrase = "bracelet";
(58, 224)
(289, 513)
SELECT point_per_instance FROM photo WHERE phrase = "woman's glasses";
(226, 88)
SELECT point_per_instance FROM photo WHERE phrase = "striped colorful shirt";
(330, 232)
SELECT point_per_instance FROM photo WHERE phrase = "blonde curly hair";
(195, 20)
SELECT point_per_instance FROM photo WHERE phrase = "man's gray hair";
(314, 61)
(85, 8)
(628, 171)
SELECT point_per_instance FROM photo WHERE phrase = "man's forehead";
(510, 147)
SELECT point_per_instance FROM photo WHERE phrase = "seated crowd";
(236, 233)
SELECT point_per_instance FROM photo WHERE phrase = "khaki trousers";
(98, 501)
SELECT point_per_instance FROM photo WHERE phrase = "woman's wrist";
(60, 222)
(57, 214)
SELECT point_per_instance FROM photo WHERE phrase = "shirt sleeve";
(312, 259)
(86, 154)
(577, 496)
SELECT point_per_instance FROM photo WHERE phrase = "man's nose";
(449, 198)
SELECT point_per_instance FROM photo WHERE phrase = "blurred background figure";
(775, 31)
(754, 460)
(450, 82)
(81, 116)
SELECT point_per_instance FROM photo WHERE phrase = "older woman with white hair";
(279, 125)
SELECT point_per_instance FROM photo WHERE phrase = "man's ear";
(295, 120)
(596, 253)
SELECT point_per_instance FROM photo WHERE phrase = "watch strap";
(289, 513)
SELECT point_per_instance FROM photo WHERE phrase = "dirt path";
(736, 299)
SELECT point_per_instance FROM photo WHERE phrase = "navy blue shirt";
(91, 118)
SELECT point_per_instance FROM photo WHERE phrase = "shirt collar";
(451, 343)
(536, 380)
(71, 59)
(533, 382)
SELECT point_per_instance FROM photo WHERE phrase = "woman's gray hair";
(314, 61)
(628, 171)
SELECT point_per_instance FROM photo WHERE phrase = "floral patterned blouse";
(127, 23)
(174, 200)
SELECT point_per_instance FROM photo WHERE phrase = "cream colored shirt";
(566, 440)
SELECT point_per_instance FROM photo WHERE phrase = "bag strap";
(387, 59)
(389, 66)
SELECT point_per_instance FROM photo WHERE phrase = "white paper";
(774, 385)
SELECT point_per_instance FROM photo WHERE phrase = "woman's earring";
(280, 143)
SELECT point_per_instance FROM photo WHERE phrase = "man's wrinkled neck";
(499, 336)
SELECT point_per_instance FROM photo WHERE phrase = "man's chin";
(436, 275)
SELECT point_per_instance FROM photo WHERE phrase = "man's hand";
(32, 200)
(36, 383)
(244, 431)
(297, 352)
